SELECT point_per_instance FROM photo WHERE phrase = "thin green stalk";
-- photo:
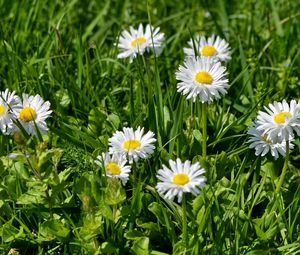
(40, 178)
(184, 222)
(285, 166)
(135, 191)
(113, 225)
(204, 130)
(141, 89)
(49, 202)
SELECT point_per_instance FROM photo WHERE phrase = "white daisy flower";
(212, 47)
(202, 78)
(137, 41)
(262, 144)
(115, 166)
(181, 177)
(8, 103)
(132, 143)
(280, 120)
(33, 114)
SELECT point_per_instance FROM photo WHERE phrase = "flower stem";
(184, 222)
(204, 129)
(285, 166)
(114, 213)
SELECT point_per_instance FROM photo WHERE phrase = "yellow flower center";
(208, 51)
(131, 144)
(204, 77)
(2, 110)
(19, 139)
(265, 139)
(139, 41)
(27, 114)
(113, 168)
(280, 117)
(181, 179)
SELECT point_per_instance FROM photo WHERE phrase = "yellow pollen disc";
(204, 77)
(113, 168)
(131, 144)
(27, 114)
(265, 138)
(181, 179)
(280, 117)
(208, 51)
(2, 110)
(139, 40)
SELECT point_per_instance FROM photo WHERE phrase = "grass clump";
(54, 198)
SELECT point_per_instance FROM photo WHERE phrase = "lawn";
(108, 151)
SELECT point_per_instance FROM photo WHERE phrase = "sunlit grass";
(57, 200)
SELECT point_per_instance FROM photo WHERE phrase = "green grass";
(58, 202)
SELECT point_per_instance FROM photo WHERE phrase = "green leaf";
(141, 246)
(179, 248)
(63, 175)
(137, 199)
(198, 203)
(114, 192)
(158, 253)
(157, 210)
(10, 184)
(114, 120)
(261, 234)
(197, 134)
(46, 156)
(148, 225)
(108, 248)
(92, 226)
(134, 234)
(167, 119)
(31, 198)
(105, 211)
(271, 169)
(64, 98)
(88, 185)
(10, 232)
(52, 229)
(201, 219)
(34, 195)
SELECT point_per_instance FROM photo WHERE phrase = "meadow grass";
(57, 201)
